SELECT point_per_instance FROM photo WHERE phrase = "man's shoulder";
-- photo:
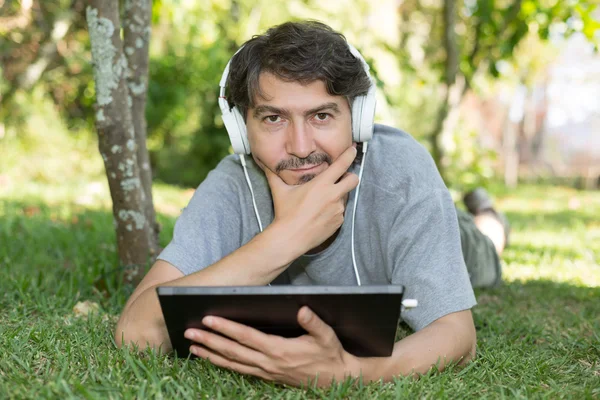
(229, 165)
(230, 169)
(226, 175)
(399, 162)
(397, 145)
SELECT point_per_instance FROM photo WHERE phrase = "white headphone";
(363, 112)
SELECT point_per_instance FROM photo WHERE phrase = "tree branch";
(450, 42)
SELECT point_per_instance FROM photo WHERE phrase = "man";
(294, 87)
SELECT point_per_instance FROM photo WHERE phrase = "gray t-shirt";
(406, 229)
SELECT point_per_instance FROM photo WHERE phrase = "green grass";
(538, 334)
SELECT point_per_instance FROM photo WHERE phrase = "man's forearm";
(444, 341)
(258, 262)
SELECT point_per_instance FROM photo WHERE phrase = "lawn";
(538, 334)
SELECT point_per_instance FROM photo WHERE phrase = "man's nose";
(300, 141)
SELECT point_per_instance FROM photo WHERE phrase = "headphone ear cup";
(363, 116)
(243, 132)
(357, 107)
(367, 118)
(236, 128)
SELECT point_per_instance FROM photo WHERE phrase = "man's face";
(297, 130)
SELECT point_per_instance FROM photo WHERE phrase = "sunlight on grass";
(92, 195)
(576, 273)
(556, 235)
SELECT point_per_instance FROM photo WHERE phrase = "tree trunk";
(138, 14)
(453, 91)
(116, 137)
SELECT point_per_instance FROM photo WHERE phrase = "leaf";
(84, 308)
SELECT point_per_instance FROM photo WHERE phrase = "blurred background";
(519, 101)
(505, 94)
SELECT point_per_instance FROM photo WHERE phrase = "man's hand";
(314, 211)
(317, 356)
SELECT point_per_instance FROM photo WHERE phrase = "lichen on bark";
(130, 184)
(107, 70)
(137, 217)
(137, 89)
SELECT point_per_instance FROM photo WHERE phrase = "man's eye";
(322, 117)
(273, 118)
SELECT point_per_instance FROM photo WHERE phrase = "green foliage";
(42, 148)
(493, 31)
(192, 41)
(186, 134)
(470, 165)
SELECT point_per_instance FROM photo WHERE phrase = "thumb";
(315, 326)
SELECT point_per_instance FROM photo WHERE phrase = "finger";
(315, 326)
(223, 362)
(347, 183)
(232, 350)
(248, 336)
(340, 165)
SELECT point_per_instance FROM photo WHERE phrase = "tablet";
(364, 318)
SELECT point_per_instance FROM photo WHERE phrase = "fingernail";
(306, 316)
(208, 321)
(189, 334)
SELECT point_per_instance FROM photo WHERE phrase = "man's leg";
(489, 221)
(479, 251)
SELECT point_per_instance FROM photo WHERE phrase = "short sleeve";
(427, 258)
(209, 228)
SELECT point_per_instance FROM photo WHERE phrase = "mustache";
(295, 162)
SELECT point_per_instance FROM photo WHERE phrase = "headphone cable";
(243, 161)
(360, 173)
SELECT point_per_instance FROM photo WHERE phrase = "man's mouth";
(305, 168)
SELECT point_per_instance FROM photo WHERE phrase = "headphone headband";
(363, 110)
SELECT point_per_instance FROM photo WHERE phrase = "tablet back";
(364, 318)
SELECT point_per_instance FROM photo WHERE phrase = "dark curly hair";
(296, 51)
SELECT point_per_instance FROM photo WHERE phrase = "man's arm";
(258, 262)
(451, 338)
(305, 216)
(319, 358)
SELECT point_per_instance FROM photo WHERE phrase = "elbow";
(470, 354)
(125, 336)
(141, 339)
(470, 345)
(473, 352)
(120, 336)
